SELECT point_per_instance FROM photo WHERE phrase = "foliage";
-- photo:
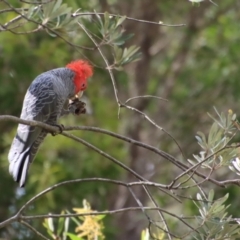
(214, 221)
(194, 66)
(52, 16)
(88, 227)
(215, 154)
(146, 235)
(92, 226)
(111, 31)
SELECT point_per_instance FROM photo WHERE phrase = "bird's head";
(83, 70)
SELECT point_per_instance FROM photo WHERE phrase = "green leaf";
(60, 226)
(66, 226)
(31, 11)
(58, 23)
(100, 217)
(68, 20)
(48, 8)
(101, 27)
(106, 21)
(145, 235)
(61, 11)
(234, 117)
(50, 224)
(51, 33)
(57, 5)
(215, 120)
(73, 236)
(122, 39)
(74, 219)
(45, 224)
(118, 52)
(133, 49)
(211, 195)
(220, 201)
(120, 20)
(199, 197)
(118, 68)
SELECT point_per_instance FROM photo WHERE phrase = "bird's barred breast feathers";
(54, 87)
(46, 95)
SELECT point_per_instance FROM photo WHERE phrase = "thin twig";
(19, 216)
(45, 27)
(106, 155)
(153, 123)
(54, 129)
(9, 221)
(37, 3)
(139, 203)
(200, 163)
(12, 21)
(146, 96)
(81, 181)
(129, 140)
(20, 33)
(105, 60)
(169, 157)
(160, 23)
(34, 230)
(12, 10)
(94, 213)
(162, 230)
(116, 91)
(159, 211)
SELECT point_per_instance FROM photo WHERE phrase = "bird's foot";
(77, 107)
(61, 128)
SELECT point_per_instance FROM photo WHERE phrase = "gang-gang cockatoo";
(45, 101)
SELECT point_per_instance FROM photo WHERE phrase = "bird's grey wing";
(38, 104)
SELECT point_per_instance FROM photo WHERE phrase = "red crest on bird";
(83, 70)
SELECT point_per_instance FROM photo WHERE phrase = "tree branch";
(54, 129)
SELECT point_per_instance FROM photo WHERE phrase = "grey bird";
(45, 101)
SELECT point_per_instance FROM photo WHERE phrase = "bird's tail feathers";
(18, 167)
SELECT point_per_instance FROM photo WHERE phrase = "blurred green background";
(195, 67)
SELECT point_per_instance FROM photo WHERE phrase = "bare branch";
(12, 10)
(37, 3)
(19, 217)
(160, 213)
(106, 62)
(146, 96)
(54, 129)
(34, 230)
(97, 213)
(85, 180)
(160, 23)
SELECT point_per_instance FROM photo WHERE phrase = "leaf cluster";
(53, 16)
(214, 222)
(112, 33)
(88, 227)
(216, 149)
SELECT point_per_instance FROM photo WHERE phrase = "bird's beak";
(79, 95)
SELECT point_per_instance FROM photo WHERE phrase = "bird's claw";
(77, 107)
(61, 128)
